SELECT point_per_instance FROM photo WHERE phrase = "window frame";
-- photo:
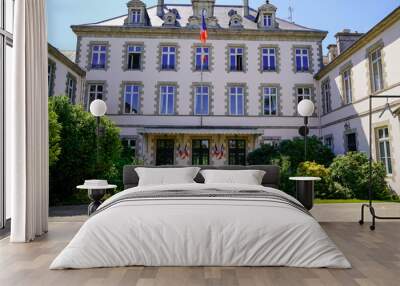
(301, 55)
(135, 16)
(266, 55)
(167, 95)
(304, 95)
(129, 145)
(236, 95)
(267, 20)
(347, 86)
(202, 94)
(99, 53)
(326, 96)
(385, 159)
(270, 95)
(96, 92)
(200, 152)
(70, 90)
(129, 53)
(168, 53)
(238, 159)
(379, 65)
(202, 66)
(51, 76)
(234, 53)
(131, 94)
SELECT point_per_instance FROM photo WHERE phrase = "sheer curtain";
(27, 124)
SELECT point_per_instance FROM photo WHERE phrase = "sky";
(328, 15)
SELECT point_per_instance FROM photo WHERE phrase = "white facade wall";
(60, 78)
(355, 115)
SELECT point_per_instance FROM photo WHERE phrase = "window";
(131, 99)
(351, 141)
(270, 100)
(267, 20)
(200, 152)
(71, 88)
(237, 152)
(129, 146)
(384, 149)
(236, 59)
(236, 100)
(326, 97)
(302, 59)
(51, 72)
(202, 58)
(376, 69)
(96, 91)
(135, 16)
(165, 152)
(202, 100)
(167, 100)
(348, 94)
(303, 93)
(328, 141)
(168, 58)
(268, 59)
(134, 57)
(99, 55)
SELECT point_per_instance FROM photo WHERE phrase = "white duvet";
(200, 232)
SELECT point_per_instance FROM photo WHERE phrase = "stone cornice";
(187, 33)
(386, 23)
(66, 61)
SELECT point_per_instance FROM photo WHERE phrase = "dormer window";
(136, 16)
(267, 20)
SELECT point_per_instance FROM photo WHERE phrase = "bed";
(198, 224)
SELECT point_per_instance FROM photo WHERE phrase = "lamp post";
(98, 108)
(306, 109)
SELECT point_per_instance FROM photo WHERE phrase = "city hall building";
(179, 102)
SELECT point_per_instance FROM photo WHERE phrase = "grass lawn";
(350, 201)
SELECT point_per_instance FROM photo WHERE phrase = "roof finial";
(267, 1)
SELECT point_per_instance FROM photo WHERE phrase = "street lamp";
(98, 108)
(305, 109)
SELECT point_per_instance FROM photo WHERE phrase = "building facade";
(64, 76)
(366, 64)
(178, 102)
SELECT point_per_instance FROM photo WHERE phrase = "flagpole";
(201, 83)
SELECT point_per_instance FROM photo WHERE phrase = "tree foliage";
(78, 157)
(54, 136)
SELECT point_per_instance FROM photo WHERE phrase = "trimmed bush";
(54, 136)
(352, 172)
(263, 155)
(313, 169)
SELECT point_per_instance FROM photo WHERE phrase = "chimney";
(246, 8)
(345, 39)
(160, 8)
(332, 52)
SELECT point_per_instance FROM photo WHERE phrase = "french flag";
(203, 31)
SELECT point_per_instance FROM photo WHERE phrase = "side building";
(175, 108)
(65, 77)
(366, 64)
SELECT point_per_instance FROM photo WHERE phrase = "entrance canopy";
(199, 131)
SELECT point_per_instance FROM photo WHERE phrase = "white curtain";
(27, 124)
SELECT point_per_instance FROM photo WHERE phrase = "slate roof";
(220, 12)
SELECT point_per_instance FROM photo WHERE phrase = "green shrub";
(286, 171)
(316, 151)
(312, 169)
(352, 172)
(263, 155)
(77, 160)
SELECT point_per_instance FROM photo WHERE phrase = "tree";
(78, 157)
(262, 155)
(54, 136)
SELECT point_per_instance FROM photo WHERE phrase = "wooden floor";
(375, 257)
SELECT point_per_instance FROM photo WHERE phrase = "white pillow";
(166, 176)
(247, 177)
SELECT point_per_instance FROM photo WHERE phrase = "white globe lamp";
(98, 108)
(306, 108)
